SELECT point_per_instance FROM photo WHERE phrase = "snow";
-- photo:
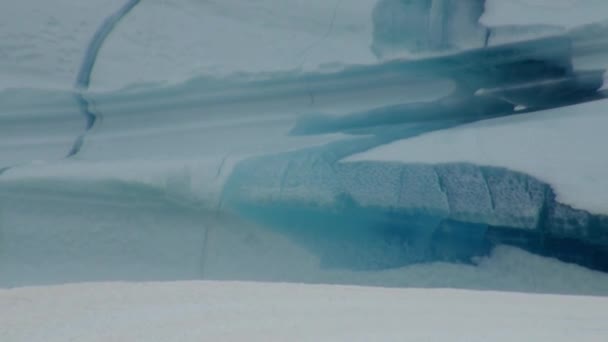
(563, 147)
(170, 41)
(43, 45)
(37, 125)
(143, 201)
(233, 311)
(200, 180)
(61, 230)
(174, 40)
(564, 13)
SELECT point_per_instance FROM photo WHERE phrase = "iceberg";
(357, 167)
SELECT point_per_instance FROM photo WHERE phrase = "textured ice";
(244, 132)
(515, 197)
(415, 204)
(427, 26)
(466, 190)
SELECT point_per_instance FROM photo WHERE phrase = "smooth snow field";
(369, 170)
(228, 311)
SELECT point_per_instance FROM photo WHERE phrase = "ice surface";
(206, 131)
(174, 40)
(413, 29)
(410, 203)
(43, 46)
(426, 26)
(564, 13)
(233, 311)
(37, 125)
(562, 147)
(94, 231)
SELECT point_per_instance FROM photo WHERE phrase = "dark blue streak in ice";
(86, 68)
(84, 74)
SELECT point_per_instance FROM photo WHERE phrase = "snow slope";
(564, 147)
(43, 45)
(220, 311)
(170, 41)
(173, 40)
(564, 13)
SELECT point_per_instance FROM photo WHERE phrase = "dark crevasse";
(83, 79)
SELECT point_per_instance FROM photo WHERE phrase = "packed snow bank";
(214, 311)
(563, 147)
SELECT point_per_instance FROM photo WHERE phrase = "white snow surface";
(232, 311)
(564, 13)
(172, 40)
(564, 147)
(43, 44)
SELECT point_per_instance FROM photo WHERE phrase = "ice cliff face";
(276, 145)
(418, 212)
(427, 26)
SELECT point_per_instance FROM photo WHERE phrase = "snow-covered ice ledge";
(564, 147)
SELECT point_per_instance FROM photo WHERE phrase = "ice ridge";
(348, 212)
